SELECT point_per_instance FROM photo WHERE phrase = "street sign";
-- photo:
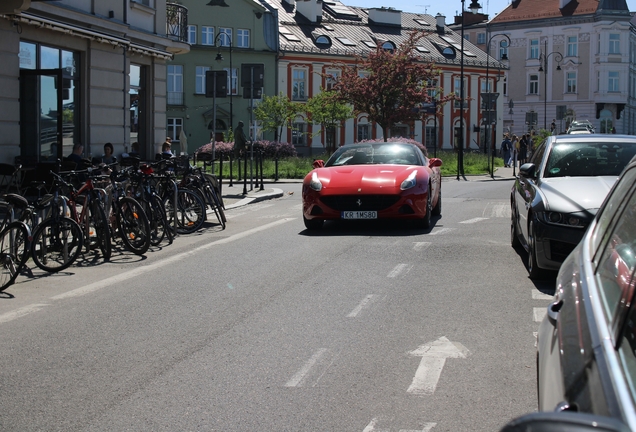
(216, 80)
(247, 74)
(489, 101)
(258, 93)
(488, 117)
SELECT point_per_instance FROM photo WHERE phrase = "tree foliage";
(328, 110)
(389, 85)
(276, 112)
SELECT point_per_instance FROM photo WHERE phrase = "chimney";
(563, 3)
(388, 16)
(310, 9)
(441, 23)
(290, 2)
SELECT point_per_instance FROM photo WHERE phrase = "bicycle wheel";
(157, 219)
(99, 231)
(13, 241)
(213, 200)
(133, 225)
(190, 211)
(57, 242)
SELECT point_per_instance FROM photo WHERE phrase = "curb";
(276, 193)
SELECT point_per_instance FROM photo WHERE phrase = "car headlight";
(410, 181)
(315, 183)
(563, 219)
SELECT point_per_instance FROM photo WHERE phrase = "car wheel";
(437, 210)
(425, 222)
(514, 237)
(533, 269)
(313, 224)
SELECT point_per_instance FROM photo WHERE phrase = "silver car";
(586, 351)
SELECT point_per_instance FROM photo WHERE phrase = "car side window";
(618, 259)
(627, 351)
(537, 156)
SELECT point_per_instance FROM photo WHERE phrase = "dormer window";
(389, 46)
(446, 50)
(322, 41)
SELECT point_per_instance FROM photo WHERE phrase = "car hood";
(571, 194)
(364, 178)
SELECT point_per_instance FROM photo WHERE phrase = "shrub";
(271, 149)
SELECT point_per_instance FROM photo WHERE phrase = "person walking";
(515, 151)
(523, 149)
(240, 140)
(506, 147)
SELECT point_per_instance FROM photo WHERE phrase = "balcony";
(177, 22)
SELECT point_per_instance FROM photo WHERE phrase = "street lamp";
(543, 67)
(219, 58)
(504, 56)
(474, 8)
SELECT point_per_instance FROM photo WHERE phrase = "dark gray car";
(586, 350)
(557, 194)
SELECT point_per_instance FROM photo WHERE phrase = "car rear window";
(588, 159)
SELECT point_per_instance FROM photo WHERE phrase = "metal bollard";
(276, 168)
(231, 174)
(256, 159)
(245, 171)
(262, 157)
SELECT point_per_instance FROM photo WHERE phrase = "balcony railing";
(177, 22)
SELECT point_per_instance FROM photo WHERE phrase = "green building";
(224, 35)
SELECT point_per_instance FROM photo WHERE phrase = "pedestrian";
(506, 147)
(523, 149)
(515, 151)
(553, 127)
(166, 152)
(76, 156)
(240, 140)
(108, 157)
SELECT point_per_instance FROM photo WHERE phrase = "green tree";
(327, 109)
(389, 85)
(276, 112)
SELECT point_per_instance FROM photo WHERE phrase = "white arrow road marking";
(538, 295)
(473, 220)
(499, 210)
(434, 355)
(539, 313)
(419, 246)
(400, 268)
(371, 427)
(364, 303)
(10, 316)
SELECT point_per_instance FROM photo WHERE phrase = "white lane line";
(426, 428)
(162, 263)
(536, 338)
(473, 220)
(398, 269)
(297, 380)
(500, 210)
(420, 246)
(539, 313)
(440, 231)
(364, 303)
(538, 295)
(10, 316)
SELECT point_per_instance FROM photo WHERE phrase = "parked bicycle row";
(133, 205)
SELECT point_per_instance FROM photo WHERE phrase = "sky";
(447, 8)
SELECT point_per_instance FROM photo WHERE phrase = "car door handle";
(553, 310)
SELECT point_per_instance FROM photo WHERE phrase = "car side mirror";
(527, 170)
(318, 163)
(434, 162)
(564, 421)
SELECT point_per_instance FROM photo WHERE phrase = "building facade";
(237, 37)
(572, 60)
(80, 71)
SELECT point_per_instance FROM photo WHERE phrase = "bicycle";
(15, 240)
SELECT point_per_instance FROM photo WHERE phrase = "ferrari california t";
(373, 180)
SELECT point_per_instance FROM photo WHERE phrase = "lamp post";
(543, 67)
(504, 56)
(474, 8)
(219, 58)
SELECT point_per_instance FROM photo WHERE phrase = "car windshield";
(376, 153)
(588, 159)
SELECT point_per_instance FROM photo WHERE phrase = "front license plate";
(359, 215)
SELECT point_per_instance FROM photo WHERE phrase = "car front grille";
(559, 251)
(360, 202)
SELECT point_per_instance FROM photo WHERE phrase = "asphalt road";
(263, 326)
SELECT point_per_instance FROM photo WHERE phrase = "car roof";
(594, 137)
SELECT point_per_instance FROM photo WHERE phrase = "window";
(364, 132)
(432, 89)
(332, 77)
(503, 49)
(207, 35)
(467, 37)
(429, 137)
(174, 128)
(199, 86)
(486, 86)
(481, 38)
(533, 87)
(614, 43)
(388, 46)
(243, 38)
(573, 46)
(175, 85)
(534, 48)
(192, 34)
(612, 82)
(232, 81)
(226, 36)
(458, 88)
(570, 78)
(299, 83)
(298, 133)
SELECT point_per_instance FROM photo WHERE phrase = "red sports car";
(379, 180)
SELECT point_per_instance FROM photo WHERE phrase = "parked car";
(579, 130)
(379, 180)
(557, 194)
(586, 350)
(581, 124)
